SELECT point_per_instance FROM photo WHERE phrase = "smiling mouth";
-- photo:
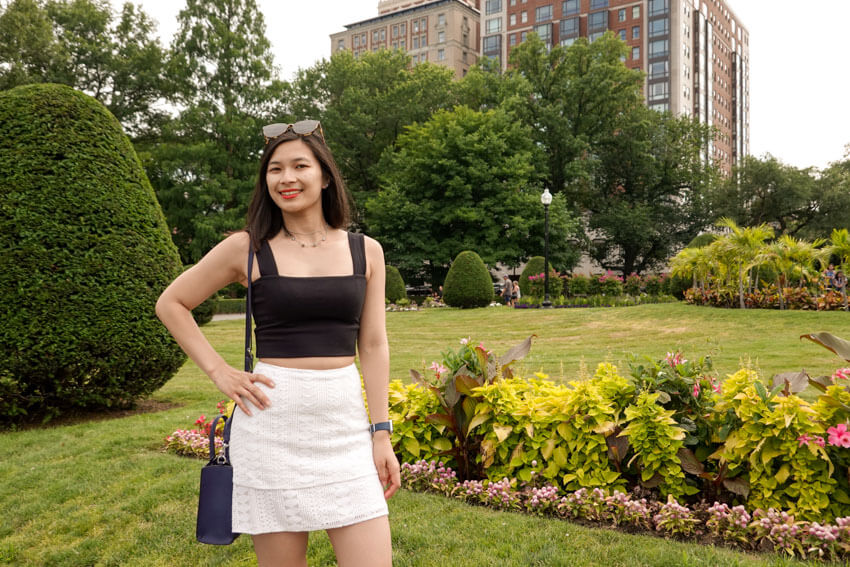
(289, 193)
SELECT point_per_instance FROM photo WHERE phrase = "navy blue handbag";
(215, 505)
(215, 509)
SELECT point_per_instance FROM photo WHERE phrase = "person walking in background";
(829, 275)
(507, 289)
(304, 455)
(515, 294)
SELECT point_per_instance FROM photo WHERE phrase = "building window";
(635, 12)
(659, 27)
(402, 29)
(423, 40)
(621, 15)
(356, 41)
(414, 27)
(523, 37)
(596, 4)
(463, 57)
(340, 44)
(441, 37)
(491, 44)
(594, 36)
(568, 41)
(395, 31)
(441, 19)
(423, 23)
(523, 17)
(513, 19)
(659, 48)
(660, 107)
(493, 6)
(544, 32)
(635, 53)
(570, 7)
(597, 21)
(543, 13)
(636, 32)
(513, 2)
(441, 55)
(415, 42)
(494, 25)
(659, 70)
(402, 45)
(658, 91)
(512, 39)
(383, 35)
(622, 35)
(569, 28)
(657, 7)
(375, 36)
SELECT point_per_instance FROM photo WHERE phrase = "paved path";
(228, 316)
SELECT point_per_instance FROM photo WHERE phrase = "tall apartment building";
(695, 53)
(446, 32)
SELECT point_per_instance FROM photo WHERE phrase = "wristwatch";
(382, 426)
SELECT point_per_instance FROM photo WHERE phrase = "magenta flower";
(819, 441)
(839, 436)
(804, 439)
(696, 390)
(841, 374)
(674, 359)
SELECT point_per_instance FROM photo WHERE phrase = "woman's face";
(295, 179)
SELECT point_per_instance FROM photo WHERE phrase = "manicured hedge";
(395, 289)
(84, 254)
(468, 283)
(535, 265)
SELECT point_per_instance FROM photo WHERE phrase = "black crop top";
(308, 316)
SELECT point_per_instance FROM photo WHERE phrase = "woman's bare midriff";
(311, 363)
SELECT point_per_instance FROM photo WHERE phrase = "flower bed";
(719, 523)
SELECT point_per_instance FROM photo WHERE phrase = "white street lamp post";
(546, 199)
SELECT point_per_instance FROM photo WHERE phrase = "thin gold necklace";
(324, 237)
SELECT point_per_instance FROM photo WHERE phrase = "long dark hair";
(264, 217)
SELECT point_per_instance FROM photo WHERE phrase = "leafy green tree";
(832, 194)
(572, 96)
(651, 189)
(768, 191)
(462, 180)
(203, 166)
(29, 51)
(81, 43)
(365, 103)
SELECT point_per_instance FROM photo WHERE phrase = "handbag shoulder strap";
(249, 358)
(222, 458)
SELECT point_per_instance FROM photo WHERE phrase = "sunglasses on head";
(302, 128)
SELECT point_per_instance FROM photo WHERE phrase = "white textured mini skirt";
(304, 463)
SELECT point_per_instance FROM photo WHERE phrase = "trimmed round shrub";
(468, 283)
(84, 254)
(395, 289)
(535, 266)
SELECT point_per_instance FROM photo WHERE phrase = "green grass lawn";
(99, 491)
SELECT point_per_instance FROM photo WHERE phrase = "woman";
(516, 294)
(304, 455)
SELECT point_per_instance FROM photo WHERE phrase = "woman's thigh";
(366, 544)
(281, 549)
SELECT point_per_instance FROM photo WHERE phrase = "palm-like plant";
(839, 245)
(743, 244)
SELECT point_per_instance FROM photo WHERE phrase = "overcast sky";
(799, 79)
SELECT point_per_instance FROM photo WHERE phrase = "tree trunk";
(741, 287)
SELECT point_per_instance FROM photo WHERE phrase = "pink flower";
(804, 439)
(696, 390)
(465, 340)
(674, 359)
(716, 388)
(819, 441)
(839, 436)
(841, 374)
(201, 420)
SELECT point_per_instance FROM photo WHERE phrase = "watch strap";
(381, 426)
